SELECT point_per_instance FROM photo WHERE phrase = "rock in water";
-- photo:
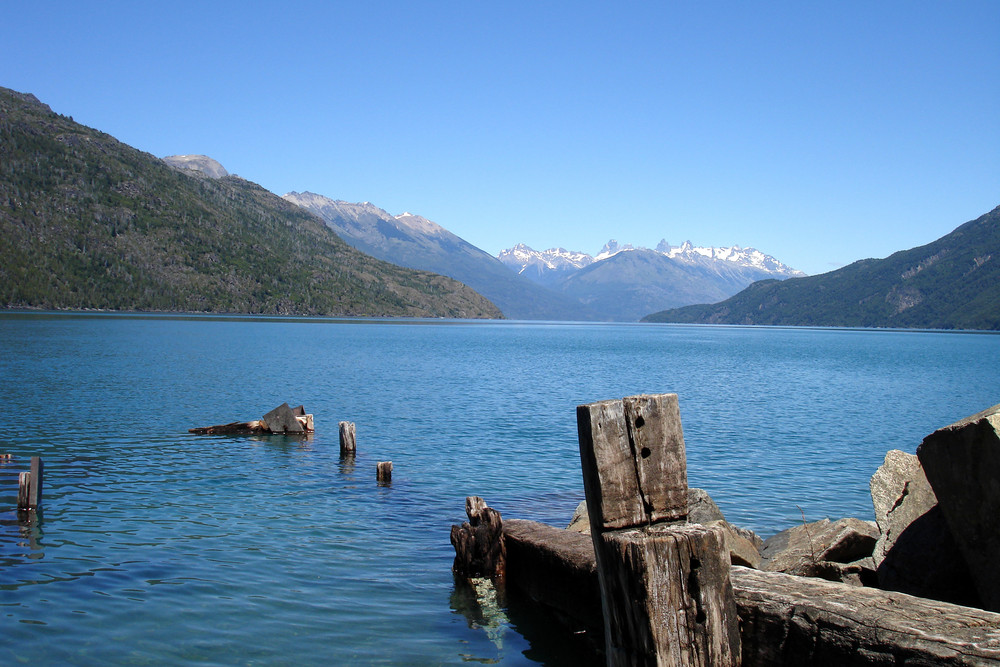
(962, 464)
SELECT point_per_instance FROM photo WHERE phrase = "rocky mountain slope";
(415, 242)
(951, 283)
(87, 222)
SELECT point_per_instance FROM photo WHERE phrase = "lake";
(155, 546)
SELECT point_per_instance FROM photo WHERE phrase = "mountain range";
(950, 283)
(625, 283)
(87, 222)
(415, 242)
(621, 283)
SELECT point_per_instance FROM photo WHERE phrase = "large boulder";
(962, 464)
(915, 552)
(836, 550)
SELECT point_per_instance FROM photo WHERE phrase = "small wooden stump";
(348, 438)
(479, 545)
(383, 471)
(665, 586)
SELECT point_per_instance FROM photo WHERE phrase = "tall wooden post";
(35, 490)
(348, 438)
(665, 586)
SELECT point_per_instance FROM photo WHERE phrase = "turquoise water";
(155, 546)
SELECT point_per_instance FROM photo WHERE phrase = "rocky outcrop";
(962, 464)
(834, 550)
(200, 163)
(915, 552)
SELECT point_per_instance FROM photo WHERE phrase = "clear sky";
(820, 133)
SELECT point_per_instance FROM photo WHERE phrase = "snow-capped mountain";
(549, 266)
(544, 267)
(622, 282)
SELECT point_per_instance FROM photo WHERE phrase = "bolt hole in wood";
(645, 452)
(639, 422)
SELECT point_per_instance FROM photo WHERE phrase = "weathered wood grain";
(633, 461)
(348, 437)
(667, 596)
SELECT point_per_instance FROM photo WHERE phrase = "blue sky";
(820, 133)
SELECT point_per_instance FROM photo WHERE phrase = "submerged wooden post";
(479, 545)
(35, 488)
(29, 486)
(23, 490)
(665, 586)
(348, 438)
(383, 471)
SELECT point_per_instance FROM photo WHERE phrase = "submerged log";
(785, 620)
(232, 428)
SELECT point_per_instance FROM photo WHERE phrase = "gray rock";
(701, 508)
(580, 523)
(900, 495)
(282, 420)
(962, 464)
(915, 552)
(199, 163)
(742, 549)
(841, 541)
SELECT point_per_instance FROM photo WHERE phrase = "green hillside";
(952, 283)
(87, 222)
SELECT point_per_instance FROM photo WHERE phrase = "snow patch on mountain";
(523, 259)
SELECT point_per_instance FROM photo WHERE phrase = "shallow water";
(156, 546)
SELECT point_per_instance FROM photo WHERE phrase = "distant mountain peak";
(199, 163)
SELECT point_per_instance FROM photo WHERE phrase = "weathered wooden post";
(348, 438)
(665, 586)
(383, 471)
(29, 486)
(479, 545)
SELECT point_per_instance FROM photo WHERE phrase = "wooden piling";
(383, 471)
(479, 544)
(23, 490)
(348, 438)
(35, 487)
(665, 587)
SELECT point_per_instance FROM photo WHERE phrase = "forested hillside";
(87, 222)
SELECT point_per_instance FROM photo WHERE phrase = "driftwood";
(785, 620)
(282, 419)
(665, 587)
